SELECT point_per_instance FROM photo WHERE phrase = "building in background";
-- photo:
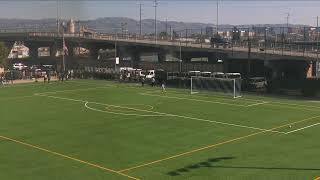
(71, 26)
(18, 51)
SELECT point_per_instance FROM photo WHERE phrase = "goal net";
(224, 86)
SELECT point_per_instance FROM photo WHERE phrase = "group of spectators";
(5, 79)
(65, 75)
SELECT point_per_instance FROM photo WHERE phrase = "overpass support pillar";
(135, 57)
(226, 64)
(53, 51)
(33, 52)
(70, 50)
(94, 52)
(162, 57)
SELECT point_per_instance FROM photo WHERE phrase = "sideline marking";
(215, 145)
(301, 105)
(302, 128)
(67, 157)
(257, 104)
(70, 90)
(149, 107)
(276, 104)
(162, 114)
(190, 99)
(13, 98)
(118, 113)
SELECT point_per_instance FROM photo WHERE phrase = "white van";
(206, 74)
(194, 73)
(233, 75)
(218, 75)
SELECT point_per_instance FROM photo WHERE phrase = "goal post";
(224, 86)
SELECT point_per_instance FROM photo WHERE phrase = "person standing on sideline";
(153, 81)
(163, 87)
(48, 76)
(142, 81)
(45, 78)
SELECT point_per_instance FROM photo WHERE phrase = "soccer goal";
(224, 86)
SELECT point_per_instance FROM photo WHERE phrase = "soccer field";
(88, 129)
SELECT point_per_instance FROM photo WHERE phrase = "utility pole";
(140, 24)
(171, 33)
(317, 63)
(115, 51)
(63, 49)
(288, 17)
(155, 20)
(201, 38)
(167, 26)
(217, 28)
(58, 22)
(180, 60)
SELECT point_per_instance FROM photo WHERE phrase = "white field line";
(190, 99)
(257, 104)
(220, 97)
(86, 83)
(299, 105)
(118, 113)
(164, 114)
(291, 107)
(70, 90)
(269, 103)
(200, 100)
(302, 128)
(15, 98)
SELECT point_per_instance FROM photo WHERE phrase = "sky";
(230, 11)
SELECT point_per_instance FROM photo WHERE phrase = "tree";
(3, 54)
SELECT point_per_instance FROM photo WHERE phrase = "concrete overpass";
(108, 40)
(246, 54)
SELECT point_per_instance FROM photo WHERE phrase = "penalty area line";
(67, 157)
(191, 99)
(306, 127)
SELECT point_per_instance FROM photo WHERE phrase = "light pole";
(317, 63)
(58, 23)
(217, 28)
(155, 20)
(180, 59)
(140, 25)
(115, 52)
(63, 48)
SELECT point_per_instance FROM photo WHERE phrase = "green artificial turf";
(88, 130)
